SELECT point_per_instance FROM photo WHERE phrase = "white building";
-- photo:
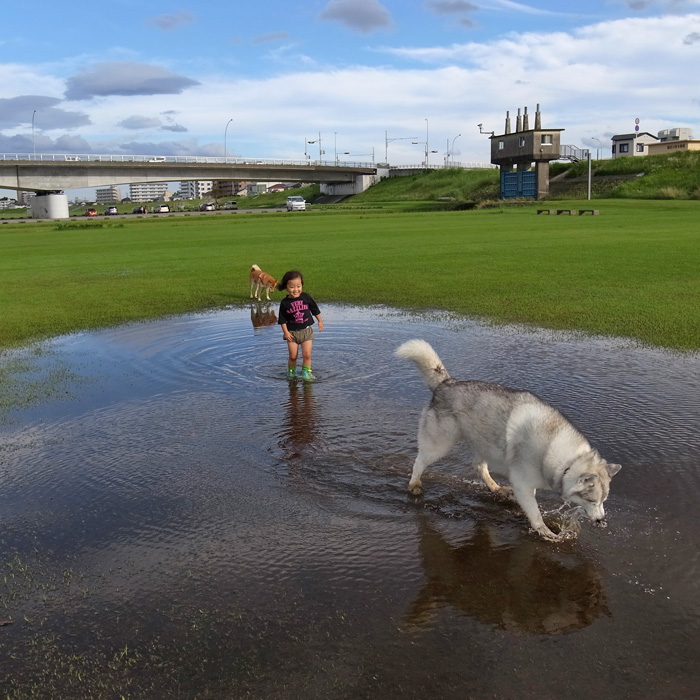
(682, 133)
(7, 203)
(108, 195)
(149, 191)
(636, 144)
(196, 189)
(24, 197)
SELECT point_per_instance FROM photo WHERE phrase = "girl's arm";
(285, 333)
(320, 322)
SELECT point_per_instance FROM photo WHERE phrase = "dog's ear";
(586, 481)
(612, 469)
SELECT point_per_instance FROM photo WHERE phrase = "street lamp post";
(423, 143)
(320, 149)
(308, 155)
(426, 143)
(427, 140)
(357, 155)
(452, 149)
(33, 144)
(225, 131)
(387, 141)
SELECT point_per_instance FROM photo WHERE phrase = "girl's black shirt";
(298, 313)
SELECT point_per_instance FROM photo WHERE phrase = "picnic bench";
(570, 212)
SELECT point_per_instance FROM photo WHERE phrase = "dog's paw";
(415, 490)
(505, 493)
(546, 534)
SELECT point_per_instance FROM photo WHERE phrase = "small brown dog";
(261, 280)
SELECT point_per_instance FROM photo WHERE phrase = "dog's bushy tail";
(255, 267)
(427, 361)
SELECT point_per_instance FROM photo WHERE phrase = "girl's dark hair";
(291, 275)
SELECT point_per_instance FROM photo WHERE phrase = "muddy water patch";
(241, 536)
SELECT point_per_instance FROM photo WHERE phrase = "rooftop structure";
(519, 149)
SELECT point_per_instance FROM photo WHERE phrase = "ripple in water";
(184, 476)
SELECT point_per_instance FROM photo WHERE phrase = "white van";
(296, 203)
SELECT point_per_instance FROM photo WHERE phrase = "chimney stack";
(538, 118)
(507, 123)
(526, 121)
(518, 122)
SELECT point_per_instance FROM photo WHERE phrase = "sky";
(367, 76)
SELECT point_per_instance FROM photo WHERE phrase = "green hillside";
(675, 176)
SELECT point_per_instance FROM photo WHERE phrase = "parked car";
(111, 211)
(207, 206)
(91, 212)
(139, 210)
(296, 203)
(230, 205)
(161, 209)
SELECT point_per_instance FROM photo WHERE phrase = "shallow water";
(177, 520)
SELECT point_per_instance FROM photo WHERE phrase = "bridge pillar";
(49, 206)
(359, 184)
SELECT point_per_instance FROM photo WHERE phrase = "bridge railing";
(218, 160)
(155, 160)
(439, 166)
(572, 153)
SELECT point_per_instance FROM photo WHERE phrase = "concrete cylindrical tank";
(49, 206)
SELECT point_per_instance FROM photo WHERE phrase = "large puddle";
(179, 521)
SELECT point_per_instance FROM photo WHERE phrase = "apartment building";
(196, 189)
(108, 195)
(228, 188)
(149, 191)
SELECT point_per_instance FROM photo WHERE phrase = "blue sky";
(166, 79)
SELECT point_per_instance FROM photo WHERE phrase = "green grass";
(632, 271)
(434, 186)
(673, 176)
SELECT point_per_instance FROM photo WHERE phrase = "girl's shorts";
(302, 335)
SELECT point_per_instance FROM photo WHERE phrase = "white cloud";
(521, 7)
(590, 81)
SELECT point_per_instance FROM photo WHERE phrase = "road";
(151, 215)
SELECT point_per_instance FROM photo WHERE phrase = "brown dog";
(261, 280)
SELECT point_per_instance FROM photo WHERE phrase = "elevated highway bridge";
(50, 175)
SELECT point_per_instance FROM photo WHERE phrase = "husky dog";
(260, 280)
(515, 433)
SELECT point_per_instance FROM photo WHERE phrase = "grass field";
(632, 271)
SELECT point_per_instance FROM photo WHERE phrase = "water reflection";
(262, 315)
(528, 587)
(299, 428)
(196, 494)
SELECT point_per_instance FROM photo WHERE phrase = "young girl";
(296, 316)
